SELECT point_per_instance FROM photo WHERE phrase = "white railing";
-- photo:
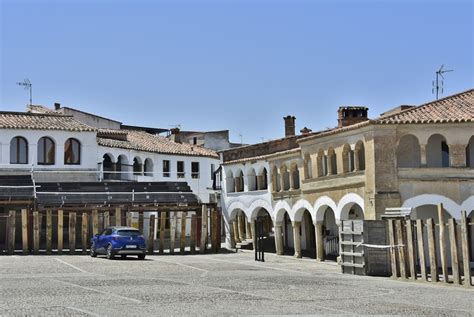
(331, 245)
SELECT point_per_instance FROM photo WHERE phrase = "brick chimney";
(351, 115)
(175, 135)
(289, 125)
(57, 106)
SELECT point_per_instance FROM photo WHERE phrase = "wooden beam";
(214, 233)
(118, 216)
(421, 248)
(95, 222)
(465, 249)
(182, 245)
(202, 247)
(432, 250)
(192, 242)
(85, 232)
(393, 255)
(49, 230)
(151, 235)
(454, 251)
(129, 219)
(442, 243)
(11, 231)
(401, 249)
(72, 233)
(106, 219)
(60, 231)
(410, 248)
(173, 225)
(24, 230)
(162, 231)
(36, 232)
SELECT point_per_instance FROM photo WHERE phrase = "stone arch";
(148, 167)
(347, 159)
(256, 206)
(229, 181)
(451, 207)
(295, 176)
(251, 176)
(285, 175)
(108, 166)
(137, 166)
(233, 209)
(437, 151)
(263, 183)
(320, 207)
(46, 151)
(408, 151)
(298, 209)
(276, 186)
(308, 166)
(280, 209)
(346, 205)
(332, 161)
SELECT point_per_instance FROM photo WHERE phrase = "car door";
(101, 241)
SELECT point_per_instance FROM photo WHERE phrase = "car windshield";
(128, 233)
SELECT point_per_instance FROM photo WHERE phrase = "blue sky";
(237, 65)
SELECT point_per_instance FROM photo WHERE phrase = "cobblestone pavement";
(220, 284)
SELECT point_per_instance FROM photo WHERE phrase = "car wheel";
(93, 251)
(110, 252)
(141, 257)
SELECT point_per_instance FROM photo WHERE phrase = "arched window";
(229, 181)
(359, 156)
(408, 152)
(18, 150)
(308, 172)
(148, 168)
(72, 152)
(276, 186)
(137, 166)
(437, 151)
(252, 180)
(264, 179)
(108, 166)
(332, 161)
(240, 182)
(46, 151)
(295, 176)
(320, 163)
(470, 153)
(347, 159)
(286, 178)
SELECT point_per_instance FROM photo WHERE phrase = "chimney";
(57, 106)
(289, 125)
(351, 115)
(175, 135)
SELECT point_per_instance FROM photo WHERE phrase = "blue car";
(121, 241)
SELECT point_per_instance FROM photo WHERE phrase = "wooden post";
(173, 224)
(129, 219)
(49, 230)
(410, 248)
(36, 232)
(95, 222)
(106, 219)
(241, 223)
(151, 235)
(72, 233)
(319, 234)
(118, 216)
(202, 246)
(214, 233)
(11, 231)
(393, 255)
(401, 249)
(140, 221)
(192, 242)
(465, 249)
(24, 230)
(454, 251)
(85, 233)
(432, 250)
(421, 248)
(60, 231)
(162, 231)
(442, 243)
(236, 231)
(182, 244)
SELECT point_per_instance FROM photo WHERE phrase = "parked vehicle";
(121, 241)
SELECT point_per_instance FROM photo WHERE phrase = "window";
(18, 150)
(166, 168)
(180, 167)
(212, 171)
(72, 152)
(45, 151)
(137, 167)
(195, 140)
(195, 169)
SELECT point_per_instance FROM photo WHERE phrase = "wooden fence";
(59, 231)
(423, 249)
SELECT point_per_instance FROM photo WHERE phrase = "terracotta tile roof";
(39, 109)
(455, 108)
(41, 121)
(263, 157)
(143, 141)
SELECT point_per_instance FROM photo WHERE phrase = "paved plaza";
(217, 284)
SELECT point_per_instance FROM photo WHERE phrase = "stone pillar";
(292, 180)
(279, 238)
(423, 162)
(232, 234)
(457, 155)
(356, 160)
(282, 180)
(236, 231)
(236, 184)
(318, 227)
(329, 165)
(248, 231)
(297, 238)
(241, 227)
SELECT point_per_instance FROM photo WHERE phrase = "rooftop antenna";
(28, 85)
(241, 138)
(438, 84)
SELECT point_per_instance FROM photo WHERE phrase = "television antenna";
(438, 84)
(241, 138)
(28, 85)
